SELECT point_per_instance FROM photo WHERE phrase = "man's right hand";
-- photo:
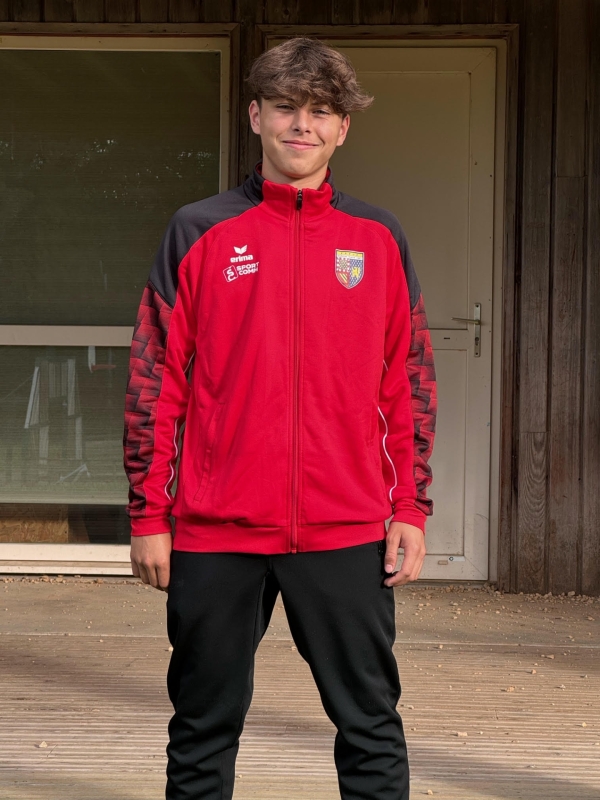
(150, 559)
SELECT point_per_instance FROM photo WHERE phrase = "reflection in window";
(61, 424)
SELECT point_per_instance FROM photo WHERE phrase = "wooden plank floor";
(495, 705)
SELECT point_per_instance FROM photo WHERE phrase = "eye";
(322, 112)
(284, 106)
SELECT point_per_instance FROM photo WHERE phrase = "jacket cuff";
(410, 515)
(148, 526)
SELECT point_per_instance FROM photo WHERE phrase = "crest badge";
(349, 267)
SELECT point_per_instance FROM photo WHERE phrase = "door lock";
(477, 322)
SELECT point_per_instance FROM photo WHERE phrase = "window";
(101, 140)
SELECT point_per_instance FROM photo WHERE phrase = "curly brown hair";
(306, 69)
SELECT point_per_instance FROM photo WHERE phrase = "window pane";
(97, 150)
(63, 524)
(61, 424)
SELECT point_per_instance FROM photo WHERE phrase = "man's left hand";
(412, 540)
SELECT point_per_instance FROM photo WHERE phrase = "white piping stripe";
(189, 363)
(174, 459)
(387, 454)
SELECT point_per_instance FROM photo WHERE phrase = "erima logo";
(239, 264)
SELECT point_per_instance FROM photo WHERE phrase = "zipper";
(296, 388)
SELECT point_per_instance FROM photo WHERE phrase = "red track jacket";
(284, 329)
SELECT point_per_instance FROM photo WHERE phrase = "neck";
(313, 181)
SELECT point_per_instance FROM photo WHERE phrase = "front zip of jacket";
(310, 406)
(297, 283)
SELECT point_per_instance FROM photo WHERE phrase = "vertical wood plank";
(476, 12)
(410, 12)
(571, 87)
(314, 12)
(564, 534)
(501, 12)
(508, 498)
(532, 511)
(120, 10)
(282, 12)
(590, 425)
(249, 14)
(184, 10)
(537, 62)
(538, 96)
(345, 12)
(4, 10)
(217, 11)
(443, 12)
(154, 10)
(27, 11)
(565, 416)
(509, 11)
(59, 11)
(376, 12)
(89, 10)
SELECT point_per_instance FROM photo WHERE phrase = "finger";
(143, 573)
(391, 554)
(163, 576)
(407, 574)
(135, 569)
(404, 573)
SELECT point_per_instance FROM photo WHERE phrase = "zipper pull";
(299, 200)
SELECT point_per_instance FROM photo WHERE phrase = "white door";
(425, 150)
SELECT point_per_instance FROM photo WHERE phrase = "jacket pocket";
(208, 452)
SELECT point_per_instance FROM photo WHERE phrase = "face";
(297, 141)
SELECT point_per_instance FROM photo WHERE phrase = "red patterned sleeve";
(407, 397)
(155, 408)
(421, 374)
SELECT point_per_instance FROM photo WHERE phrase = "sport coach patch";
(349, 267)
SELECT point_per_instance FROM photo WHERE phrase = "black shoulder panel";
(186, 226)
(358, 208)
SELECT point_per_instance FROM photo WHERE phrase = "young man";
(283, 324)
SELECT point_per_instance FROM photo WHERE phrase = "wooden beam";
(117, 28)
(534, 289)
(507, 533)
(368, 32)
(590, 420)
(564, 530)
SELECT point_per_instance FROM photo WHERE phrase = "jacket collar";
(281, 198)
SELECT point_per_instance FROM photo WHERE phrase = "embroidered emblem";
(349, 267)
(240, 264)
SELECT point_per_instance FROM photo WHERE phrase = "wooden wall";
(550, 459)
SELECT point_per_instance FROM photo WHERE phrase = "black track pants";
(342, 620)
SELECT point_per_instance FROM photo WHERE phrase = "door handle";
(477, 322)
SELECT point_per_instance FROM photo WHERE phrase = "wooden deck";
(495, 705)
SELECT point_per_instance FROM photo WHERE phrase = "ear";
(343, 130)
(254, 113)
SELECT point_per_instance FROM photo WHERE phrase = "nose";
(301, 120)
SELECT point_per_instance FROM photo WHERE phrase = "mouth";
(298, 145)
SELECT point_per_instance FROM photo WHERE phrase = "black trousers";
(342, 620)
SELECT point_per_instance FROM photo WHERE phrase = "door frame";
(505, 38)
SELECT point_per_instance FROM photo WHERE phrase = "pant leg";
(342, 619)
(218, 608)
